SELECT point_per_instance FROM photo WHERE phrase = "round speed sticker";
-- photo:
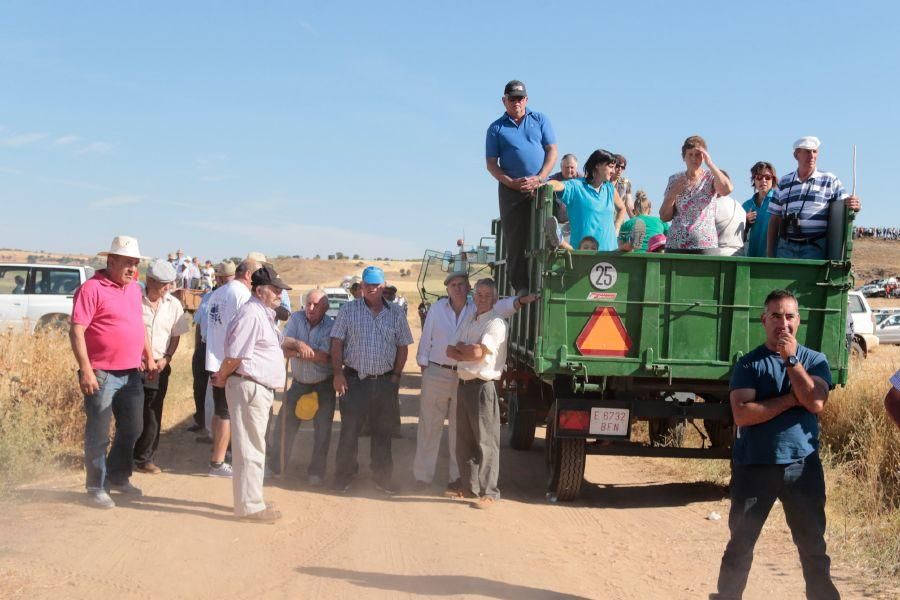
(603, 276)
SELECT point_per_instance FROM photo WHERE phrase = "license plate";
(609, 421)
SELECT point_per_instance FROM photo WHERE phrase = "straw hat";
(123, 245)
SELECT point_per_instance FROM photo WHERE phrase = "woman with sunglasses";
(688, 201)
(762, 178)
(594, 206)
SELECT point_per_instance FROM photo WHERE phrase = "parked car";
(36, 296)
(882, 314)
(871, 290)
(863, 321)
(337, 297)
(888, 331)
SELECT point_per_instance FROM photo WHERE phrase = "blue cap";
(373, 276)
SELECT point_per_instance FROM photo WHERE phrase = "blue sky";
(304, 128)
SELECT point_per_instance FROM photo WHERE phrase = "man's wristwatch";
(792, 361)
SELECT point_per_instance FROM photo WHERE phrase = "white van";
(36, 296)
(863, 322)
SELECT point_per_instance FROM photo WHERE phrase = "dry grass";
(41, 412)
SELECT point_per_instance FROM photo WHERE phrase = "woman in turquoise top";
(595, 208)
(763, 180)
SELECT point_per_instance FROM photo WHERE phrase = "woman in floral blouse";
(688, 201)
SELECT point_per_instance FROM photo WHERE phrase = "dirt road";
(636, 533)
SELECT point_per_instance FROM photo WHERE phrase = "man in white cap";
(223, 306)
(799, 209)
(111, 347)
(437, 399)
(165, 321)
(252, 370)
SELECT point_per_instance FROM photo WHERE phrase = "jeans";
(147, 444)
(813, 251)
(376, 400)
(515, 218)
(801, 488)
(288, 425)
(201, 377)
(121, 394)
(478, 437)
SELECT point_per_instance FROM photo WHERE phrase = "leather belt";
(477, 380)
(448, 367)
(805, 241)
(236, 374)
(354, 373)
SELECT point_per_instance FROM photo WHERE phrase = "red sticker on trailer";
(602, 296)
(604, 334)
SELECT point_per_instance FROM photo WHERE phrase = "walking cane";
(283, 417)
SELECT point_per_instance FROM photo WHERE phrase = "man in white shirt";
(479, 347)
(165, 323)
(437, 399)
(223, 305)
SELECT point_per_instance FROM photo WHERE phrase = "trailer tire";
(521, 425)
(565, 464)
(856, 350)
(666, 432)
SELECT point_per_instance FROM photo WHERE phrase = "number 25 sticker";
(603, 276)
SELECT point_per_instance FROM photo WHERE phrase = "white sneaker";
(223, 470)
(100, 499)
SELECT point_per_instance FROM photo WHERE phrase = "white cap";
(161, 270)
(809, 142)
(123, 245)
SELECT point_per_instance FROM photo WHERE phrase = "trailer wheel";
(856, 350)
(565, 463)
(721, 433)
(521, 425)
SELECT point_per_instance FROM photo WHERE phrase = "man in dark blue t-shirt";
(777, 391)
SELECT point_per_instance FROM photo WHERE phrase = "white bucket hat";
(123, 245)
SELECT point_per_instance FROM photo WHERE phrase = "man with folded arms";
(369, 345)
(109, 342)
(251, 372)
(437, 400)
(479, 347)
(165, 322)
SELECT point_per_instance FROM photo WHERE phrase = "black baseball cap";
(515, 88)
(268, 276)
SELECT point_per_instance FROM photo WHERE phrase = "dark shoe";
(195, 428)
(125, 488)
(386, 487)
(149, 468)
(453, 488)
(341, 487)
(267, 515)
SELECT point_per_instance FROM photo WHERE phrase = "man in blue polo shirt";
(799, 209)
(520, 150)
(777, 391)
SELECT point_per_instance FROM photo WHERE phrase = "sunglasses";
(515, 98)
(763, 177)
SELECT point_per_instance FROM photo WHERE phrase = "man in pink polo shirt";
(111, 347)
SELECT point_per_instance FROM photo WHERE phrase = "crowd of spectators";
(878, 233)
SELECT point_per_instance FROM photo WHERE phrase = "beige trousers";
(248, 404)
(437, 401)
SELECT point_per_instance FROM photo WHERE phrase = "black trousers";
(153, 407)
(375, 400)
(201, 378)
(801, 488)
(515, 218)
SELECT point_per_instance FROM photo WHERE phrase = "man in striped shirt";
(369, 345)
(799, 210)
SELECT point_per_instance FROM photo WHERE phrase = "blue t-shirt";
(757, 240)
(520, 148)
(792, 435)
(591, 213)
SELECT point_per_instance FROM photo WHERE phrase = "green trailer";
(619, 338)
